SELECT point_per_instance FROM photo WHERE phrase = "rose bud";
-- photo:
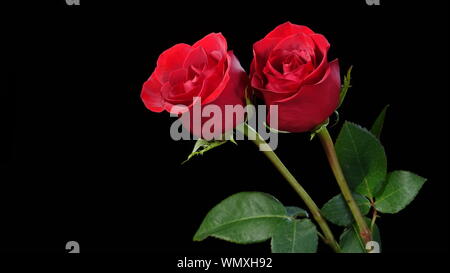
(199, 75)
(290, 69)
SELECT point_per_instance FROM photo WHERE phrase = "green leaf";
(351, 242)
(400, 189)
(336, 209)
(345, 86)
(377, 126)
(295, 236)
(296, 212)
(243, 218)
(362, 159)
(202, 146)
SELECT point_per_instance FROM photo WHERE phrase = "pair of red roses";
(289, 69)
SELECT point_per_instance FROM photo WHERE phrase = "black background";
(83, 159)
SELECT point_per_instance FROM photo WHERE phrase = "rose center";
(287, 62)
(294, 60)
(193, 78)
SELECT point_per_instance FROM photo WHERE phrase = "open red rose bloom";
(205, 71)
(291, 70)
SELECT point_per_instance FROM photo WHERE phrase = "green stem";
(330, 151)
(315, 211)
(374, 218)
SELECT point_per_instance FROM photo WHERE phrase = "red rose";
(291, 70)
(206, 71)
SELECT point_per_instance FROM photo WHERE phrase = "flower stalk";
(330, 151)
(313, 208)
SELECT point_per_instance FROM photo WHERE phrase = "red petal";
(287, 36)
(177, 76)
(196, 58)
(322, 47)
(213, 42)
(215, 82)
(261, 52)
(233, 94)
(288, 29)
(151, 94)
(297, 41)
(170, 60)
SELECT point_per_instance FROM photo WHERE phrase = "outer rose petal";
(197, 58)
(261, 52)
(312, 105)
(322, 46)
(151, 94)
(233, 94)
(170, 60)
(216, 82)
(297, 41)
(288, 29)
(213, 42)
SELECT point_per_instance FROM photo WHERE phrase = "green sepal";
(319, 128)
(345, 86)
(201, 146)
